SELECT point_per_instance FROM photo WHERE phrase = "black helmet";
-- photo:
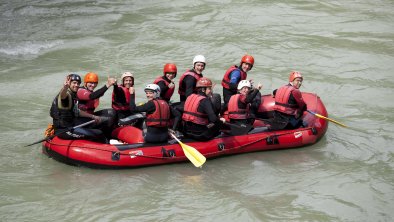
(75, 77)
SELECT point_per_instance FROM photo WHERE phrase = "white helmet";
(126, 74)
(153, 87)
(199, 58)
(244, 83)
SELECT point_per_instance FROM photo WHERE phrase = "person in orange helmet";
(200, 120)
(234, 75)
(88, 101)
(289, 104)
(165, 82)
(88, 98)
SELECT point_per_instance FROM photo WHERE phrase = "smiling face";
(297, 82)
(246, 66)
(244, 90)
(199, 67)
(91, 85)
(74, 85)
(128, 82)
(170, 75)
(150, 95)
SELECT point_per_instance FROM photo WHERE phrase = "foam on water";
(28, 47)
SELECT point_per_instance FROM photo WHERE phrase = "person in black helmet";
(64, 112)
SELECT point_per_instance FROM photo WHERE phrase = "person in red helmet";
(65, 113)
(200, 120)
(122, 95)
(88, 101)
(188, 80)
(165, 82)
(234, 75)
(289, 104)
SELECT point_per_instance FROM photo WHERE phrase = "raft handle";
(221, 146)
(115, 156)
(314, 131)
(271, 140)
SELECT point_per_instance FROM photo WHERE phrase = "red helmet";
(294, 75)
(90, 77)
(204, 82)
(248, 59)
(170, 67)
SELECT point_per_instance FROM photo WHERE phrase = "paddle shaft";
(326, 118)
(63, 131)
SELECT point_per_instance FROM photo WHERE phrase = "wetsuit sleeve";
(148, 107)
(274, 92)
(177, 117)
(162, 86)
(118, 94)
(207, 107)
(98, 93)
(64, 102)
(234, 79)
(251, 95)
(190, 84)
(298, 98)
(256, 101)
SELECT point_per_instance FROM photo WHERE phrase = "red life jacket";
(121, 106)
(226, 77)
(86, 104)
(282, 100)
(234, 111)
(191, 113)
(166, 95)
(161, 116)
(181, 89)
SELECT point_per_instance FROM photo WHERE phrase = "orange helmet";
(248, 59)
(90, 77)
(294, 75)
(170, 67)
(204, 82)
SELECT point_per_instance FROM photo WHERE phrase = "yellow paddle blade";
(193, 155)
(326, 118)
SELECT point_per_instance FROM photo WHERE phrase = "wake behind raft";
(138, 154)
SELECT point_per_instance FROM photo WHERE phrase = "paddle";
(326, 118)
(191, 153)
(62, 131)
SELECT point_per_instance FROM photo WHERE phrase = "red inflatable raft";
(93, 154)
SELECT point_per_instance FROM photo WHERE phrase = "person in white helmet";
(122, 95)
(158, 115)
(188, 80)
(239, 105)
